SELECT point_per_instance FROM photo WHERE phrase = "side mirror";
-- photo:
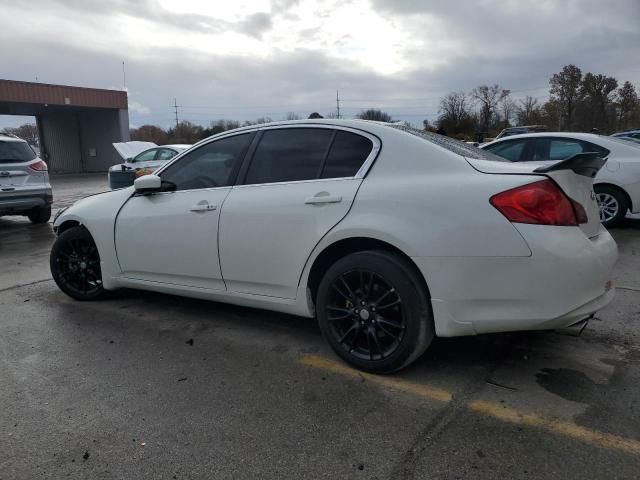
(128, 159)
(147, 184)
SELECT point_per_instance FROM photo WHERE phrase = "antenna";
(175, 106)
(337, 103)
(124, 77)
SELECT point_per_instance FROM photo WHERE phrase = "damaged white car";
(140, 158)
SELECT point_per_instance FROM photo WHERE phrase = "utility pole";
(175, 106)
(337, 103)
(124, 77)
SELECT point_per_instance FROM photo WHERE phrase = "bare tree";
(508, 109)
(292, 116)
(27, 132)
(528, 112)
(454, 107)
(489, 97)
(374, 114)
(565, 91)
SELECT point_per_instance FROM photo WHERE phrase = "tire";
(75, 265)
(40, 214)
(374, 311)
(613, 205)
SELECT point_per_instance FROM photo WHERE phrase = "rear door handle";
(203, 207)
(323, 199)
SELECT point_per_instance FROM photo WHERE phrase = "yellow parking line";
(592, 437)
(490, 409)
(425, 391)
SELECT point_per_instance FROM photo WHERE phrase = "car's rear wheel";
(374, 311)
(613, 205)
(75, 265)
(40, 214)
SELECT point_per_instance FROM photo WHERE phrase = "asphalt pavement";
(145, 385)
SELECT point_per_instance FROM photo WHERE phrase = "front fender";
(97, 214)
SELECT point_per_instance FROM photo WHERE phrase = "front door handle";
(203, 207)
(323, 199)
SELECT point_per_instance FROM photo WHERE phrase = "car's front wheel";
(75, 265)
(374, 311)
(613, 205)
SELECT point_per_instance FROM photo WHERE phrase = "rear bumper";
(564, 281)
(19, 202)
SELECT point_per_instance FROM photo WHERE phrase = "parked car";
(24, 181)
(140, 158)
(628, 133)
(507, 132)
(388, 235)
(617, 185)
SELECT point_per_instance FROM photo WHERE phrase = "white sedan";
(617, 185)
(388, 235)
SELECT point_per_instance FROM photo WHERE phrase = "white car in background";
(140, 158)
(388, 235)
(617, 185)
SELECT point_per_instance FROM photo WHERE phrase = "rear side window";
(289, 155)
(563, 148)
(451, 144)
(15, 152)
(211, 165)
(348, 153)
(510, 150)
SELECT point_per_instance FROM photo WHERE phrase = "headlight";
(58, 213)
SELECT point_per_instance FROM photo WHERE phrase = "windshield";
(453, 145)
(15, 152)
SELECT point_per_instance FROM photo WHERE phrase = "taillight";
(581, 213)
(540, 203)
(39, 166)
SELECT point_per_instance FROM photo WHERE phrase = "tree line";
(576, 102)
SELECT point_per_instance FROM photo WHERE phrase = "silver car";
(24, 181)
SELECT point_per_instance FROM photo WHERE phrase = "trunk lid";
(573, 175)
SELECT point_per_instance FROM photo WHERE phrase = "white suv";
(24, 181)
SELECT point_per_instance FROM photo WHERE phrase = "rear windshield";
(15, 152)
(451, 144)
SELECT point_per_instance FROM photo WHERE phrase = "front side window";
(289, 155)
(146, 156)
(511, 150)
(209, 166)
(15, 152)
(348, 152)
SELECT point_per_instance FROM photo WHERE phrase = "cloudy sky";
(243, 59)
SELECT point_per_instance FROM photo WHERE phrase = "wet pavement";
(153, 386)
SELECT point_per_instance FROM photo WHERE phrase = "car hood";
(131, 149)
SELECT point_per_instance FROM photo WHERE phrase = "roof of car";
(177, 146)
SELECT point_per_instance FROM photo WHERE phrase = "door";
(299, 183)
(172, 236)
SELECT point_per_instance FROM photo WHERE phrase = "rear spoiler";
(586, 164)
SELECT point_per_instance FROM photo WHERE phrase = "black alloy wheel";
(75, 265)
(374, 312)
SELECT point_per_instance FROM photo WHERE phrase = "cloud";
(248, 59)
